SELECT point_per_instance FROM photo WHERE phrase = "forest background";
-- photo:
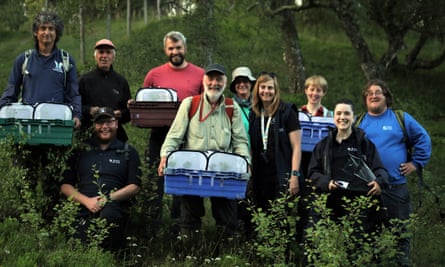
(346, 41)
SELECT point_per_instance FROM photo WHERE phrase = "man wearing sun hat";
(210, 128)
(102, 178)
(105, 87)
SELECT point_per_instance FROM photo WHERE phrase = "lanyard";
(201, 108)
(265, 131)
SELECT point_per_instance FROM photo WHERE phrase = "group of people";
(263, 129)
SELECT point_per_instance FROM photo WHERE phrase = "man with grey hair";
(103, 86)
(45, 73)
(186, 79)
(209, 129)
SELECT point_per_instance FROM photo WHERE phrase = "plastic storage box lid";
(185, 159)
(157, 95)
(53, 111)
(226, 162)
(16, 111)
(211, 161)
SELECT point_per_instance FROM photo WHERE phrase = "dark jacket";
(282, 146)
(320, 166)
(92, 170)
(105, 89)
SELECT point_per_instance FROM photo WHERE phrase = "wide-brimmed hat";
(216, 68)
(104, 42)
(103, 113)
(241, 72)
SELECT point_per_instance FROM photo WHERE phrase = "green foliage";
(274, 233)
(12, 15)
(344, 242)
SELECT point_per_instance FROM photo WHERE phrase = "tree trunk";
(128, 17)
(158, 8)
(292, 52)
(346, 14)
(145, 12)
(108, 20)
(81, 35)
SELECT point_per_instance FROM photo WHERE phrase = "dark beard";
(177, 63)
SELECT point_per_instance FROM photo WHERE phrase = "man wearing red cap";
(105, 87)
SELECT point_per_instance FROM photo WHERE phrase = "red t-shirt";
(186, 81)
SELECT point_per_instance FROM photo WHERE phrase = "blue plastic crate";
(205, 183)
(312, 133)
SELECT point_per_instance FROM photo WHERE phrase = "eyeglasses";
(271, 74)
(376, 93)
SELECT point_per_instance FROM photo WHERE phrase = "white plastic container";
(156, 95)
(52, 111)
(16, 111)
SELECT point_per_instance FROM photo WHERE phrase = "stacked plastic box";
(44, 123)
(206, 174)
(313, 130)
(154, 107)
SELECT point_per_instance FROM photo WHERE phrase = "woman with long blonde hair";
(275, 136)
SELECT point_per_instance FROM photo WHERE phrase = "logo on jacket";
(58, 67)
(352, 149)
(114, 161)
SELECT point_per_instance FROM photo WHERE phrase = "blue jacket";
(44, 81)
(387, 135)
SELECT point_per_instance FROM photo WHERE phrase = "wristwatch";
(295, 173)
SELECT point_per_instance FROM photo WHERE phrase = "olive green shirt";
(217, 132)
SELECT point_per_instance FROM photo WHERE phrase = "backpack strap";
(66, 64)
(359, 119)
(25, 62)
(229, 107)
(197, 99)
(125, 150)
(401, 120)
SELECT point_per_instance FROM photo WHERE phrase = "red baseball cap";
(104, 42)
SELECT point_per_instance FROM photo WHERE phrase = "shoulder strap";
(359, 119)
(229, 107)
(401, 120)
(25, 62)
(125, 150)
(66, 64)
(195, 104)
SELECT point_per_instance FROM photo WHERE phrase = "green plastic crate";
(38, 132)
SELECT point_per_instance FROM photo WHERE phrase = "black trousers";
(157, 137)
(224, 212)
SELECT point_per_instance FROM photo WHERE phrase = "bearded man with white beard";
(210, 128)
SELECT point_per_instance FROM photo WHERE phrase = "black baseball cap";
(216, 68)
(103, 113)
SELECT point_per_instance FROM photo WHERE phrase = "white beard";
(213, 95)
